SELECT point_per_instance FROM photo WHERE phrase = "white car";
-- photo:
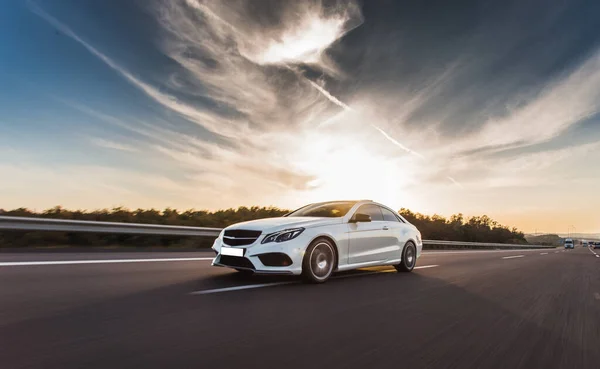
(319, 239)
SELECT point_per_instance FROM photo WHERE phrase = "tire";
(409, 258)
(319, 261)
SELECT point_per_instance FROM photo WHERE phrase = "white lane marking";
(425, 253)
(261, 285)
(236, 288)
(105, 261)
(593, 252)
(543, 253)
(514, 256)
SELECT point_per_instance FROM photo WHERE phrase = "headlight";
(282, 236)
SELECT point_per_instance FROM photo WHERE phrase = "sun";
(346, 167)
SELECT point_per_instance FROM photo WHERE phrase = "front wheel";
(318, 262)
(409, 258)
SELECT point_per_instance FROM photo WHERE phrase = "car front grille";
(236, 262)
(240, 237)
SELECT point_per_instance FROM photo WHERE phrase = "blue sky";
(442, 107)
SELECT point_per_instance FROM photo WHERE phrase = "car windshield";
(326, 210)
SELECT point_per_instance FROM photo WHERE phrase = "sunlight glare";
(345, 169)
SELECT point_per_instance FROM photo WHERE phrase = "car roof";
(356, 203)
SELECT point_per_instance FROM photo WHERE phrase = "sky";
(477, 107)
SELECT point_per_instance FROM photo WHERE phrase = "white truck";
(569, 243)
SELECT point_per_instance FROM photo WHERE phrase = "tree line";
(455, 228)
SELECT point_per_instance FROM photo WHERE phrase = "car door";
(367, 239)
(395, 236)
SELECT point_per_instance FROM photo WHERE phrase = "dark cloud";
(491, 55)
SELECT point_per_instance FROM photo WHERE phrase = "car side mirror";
(360, 217)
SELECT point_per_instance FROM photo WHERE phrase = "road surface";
(472, 309)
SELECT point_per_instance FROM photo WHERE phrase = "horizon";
(191, 104)
(235, 208)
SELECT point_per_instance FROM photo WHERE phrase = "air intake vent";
(236, 262)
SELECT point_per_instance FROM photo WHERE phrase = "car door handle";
(385, 228)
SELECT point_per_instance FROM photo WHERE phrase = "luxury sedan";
(320, 239)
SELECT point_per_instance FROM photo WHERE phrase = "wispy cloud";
(329, 96)
(455, 182)
(395, 142)
(306, 42)
(304, 30)
(346, 107)
(109, 144)
(538, 168)
(270, 109)
(563, 103)
(286, 121)
(204, 118)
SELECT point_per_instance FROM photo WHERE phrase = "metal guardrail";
(483, 244)
(67, 225)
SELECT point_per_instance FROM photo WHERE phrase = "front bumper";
(291, 251)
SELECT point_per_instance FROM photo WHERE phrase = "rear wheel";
(409, 258)
(318, 262)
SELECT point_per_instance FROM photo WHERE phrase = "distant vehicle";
(597, 245)
(569, 243)
(319, 239)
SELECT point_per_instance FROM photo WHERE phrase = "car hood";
(276, 224)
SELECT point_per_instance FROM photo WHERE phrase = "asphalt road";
(474, 309)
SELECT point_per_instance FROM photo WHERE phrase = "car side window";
(373, 211)
(388, 216)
